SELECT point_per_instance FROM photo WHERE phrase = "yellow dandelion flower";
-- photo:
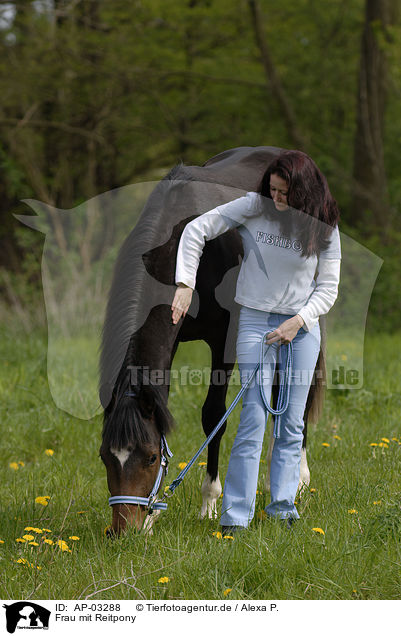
(46, 530)
(228, 536)
(33, 543)
(385, 439)
(227, 591)
(1, 541)
(74, 538)
(37, 530)
(22, 561)
(29, 529)
(43, 501)
(312, 490)
(377, 503)
(373, 444)
(13, 465)
(218, 535)
(63, 545)
(19, 540)
(202, 464)
(21, 463)
(82, 512)
(49, 452)
(182, 465)
(28, 537)
(163, 579)
(49, 541)
(352, 511)
(337, 437)
(383, 444)
(395, 439)
(318, 530)
(325, 444)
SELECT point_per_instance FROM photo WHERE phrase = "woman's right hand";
(181, 302)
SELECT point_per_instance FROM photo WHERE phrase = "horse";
(139, 340)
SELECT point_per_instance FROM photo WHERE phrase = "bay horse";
(139, 340)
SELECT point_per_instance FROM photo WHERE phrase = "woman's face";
(278, 192)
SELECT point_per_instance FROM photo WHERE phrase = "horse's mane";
(125, 424)
(127, 292)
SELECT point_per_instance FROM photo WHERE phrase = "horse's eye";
(152, 459)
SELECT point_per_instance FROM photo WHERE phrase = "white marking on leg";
(211, 491)
(304, 474)
(122, 455)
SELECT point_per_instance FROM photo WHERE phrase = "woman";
(288, 278)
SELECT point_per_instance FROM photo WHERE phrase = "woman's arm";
(204, 228)
(325, 293)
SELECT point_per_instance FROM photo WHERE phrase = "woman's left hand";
(286, 331)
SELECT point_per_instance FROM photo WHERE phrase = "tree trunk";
(370, 204)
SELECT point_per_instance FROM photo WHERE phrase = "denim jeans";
(242, 475)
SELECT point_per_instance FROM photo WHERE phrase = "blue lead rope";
(282, 404)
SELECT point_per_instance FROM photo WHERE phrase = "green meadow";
(347, 544)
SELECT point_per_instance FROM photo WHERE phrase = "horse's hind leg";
(212, 411)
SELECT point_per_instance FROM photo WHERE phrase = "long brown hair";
(308, 193)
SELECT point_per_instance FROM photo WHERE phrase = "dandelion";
(45, 529)
(182, 465)
(395, 439)
(352, 511)
(82, 512)
(63, 545)
(74, 538)
(21, 463)
(43, 501)
(377, 503)
(337, 437)
(1, 541)
(19, 540)
(22, 561)
(163, 579)
(383, 444)
(218, 535)
(202, 464)
(312, 490)
(373, 444)
(28, 537)
(385, 439)
(29, 529)
(33, 543)
(318, 530)
(325, 444)
(13, 465)
(227, 591)
(49, 452)
(48, 541)
(228, 536)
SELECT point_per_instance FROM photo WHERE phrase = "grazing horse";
(139, 339)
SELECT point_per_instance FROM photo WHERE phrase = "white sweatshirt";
(274, 277)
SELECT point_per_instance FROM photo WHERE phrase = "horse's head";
(133, 452)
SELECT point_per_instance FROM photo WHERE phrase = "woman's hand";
(286, 331)
(181, 302)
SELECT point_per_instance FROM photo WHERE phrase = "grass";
(354, 498)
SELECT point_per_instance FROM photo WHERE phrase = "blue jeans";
(242, 475)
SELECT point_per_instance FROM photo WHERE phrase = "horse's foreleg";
(212, 411)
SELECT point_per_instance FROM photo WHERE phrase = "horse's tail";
(315, 401)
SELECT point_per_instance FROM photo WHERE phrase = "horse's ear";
(146, 401)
